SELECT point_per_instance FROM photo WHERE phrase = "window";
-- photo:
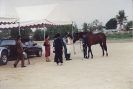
(8, 42)
(31, 43)
(26, 43)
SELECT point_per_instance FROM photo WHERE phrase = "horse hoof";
(87, 58)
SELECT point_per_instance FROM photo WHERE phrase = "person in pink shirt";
(47, 48)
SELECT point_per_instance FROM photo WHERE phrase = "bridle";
(77, 36)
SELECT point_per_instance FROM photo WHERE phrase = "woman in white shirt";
(68, 45)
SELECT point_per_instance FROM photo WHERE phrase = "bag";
(53, 50)
(44, 44)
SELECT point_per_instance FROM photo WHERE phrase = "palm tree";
(121, 18)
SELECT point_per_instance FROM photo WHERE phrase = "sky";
(80, 11)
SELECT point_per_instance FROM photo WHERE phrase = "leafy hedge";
(119, 35)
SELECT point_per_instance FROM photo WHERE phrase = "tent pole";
(72, 29)
(132, 20)
(19, 27)
(44, 31)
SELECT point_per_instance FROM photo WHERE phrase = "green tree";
(52, 30)
(23, 32)
(129, 25)
(1, 35)
(111, 24)
(97, 25)
(90, 27)
(85, 27)
(75, 28)
(121, 18)
(14, 33)
(6, 33)
(38, 35)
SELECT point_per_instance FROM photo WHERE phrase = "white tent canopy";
(8, 13)
(31, 16)
(51, 13)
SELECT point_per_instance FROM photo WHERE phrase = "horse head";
(77, 36)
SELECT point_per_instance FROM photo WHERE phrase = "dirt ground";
(112, 72)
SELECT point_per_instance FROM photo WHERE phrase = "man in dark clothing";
(19, 52)
(58, 45)
(84, 44)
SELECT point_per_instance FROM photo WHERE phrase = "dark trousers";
(85, 52)
(20, 57)
(65, 53)
(67, 56)
(58, 56)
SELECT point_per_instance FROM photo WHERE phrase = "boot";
(69, 57)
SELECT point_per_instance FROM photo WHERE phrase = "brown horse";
(93, 39)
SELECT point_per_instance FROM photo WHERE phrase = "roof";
(37, 16)
(8, 14)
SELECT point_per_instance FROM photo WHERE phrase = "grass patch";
(119, 35)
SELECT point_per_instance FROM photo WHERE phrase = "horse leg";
(88, 52)
(91, 52)
(102, 48)
(105, 48)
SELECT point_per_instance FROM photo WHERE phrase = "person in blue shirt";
(65, 50)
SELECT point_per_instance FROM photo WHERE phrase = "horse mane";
(81, 33)
(90, 33)
(85, 33)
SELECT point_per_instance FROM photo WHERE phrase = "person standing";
(58, 45)
(84, 44)
(19, 52)
(64, 41)
(47, 48)
(68, 45)
(54, 43)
